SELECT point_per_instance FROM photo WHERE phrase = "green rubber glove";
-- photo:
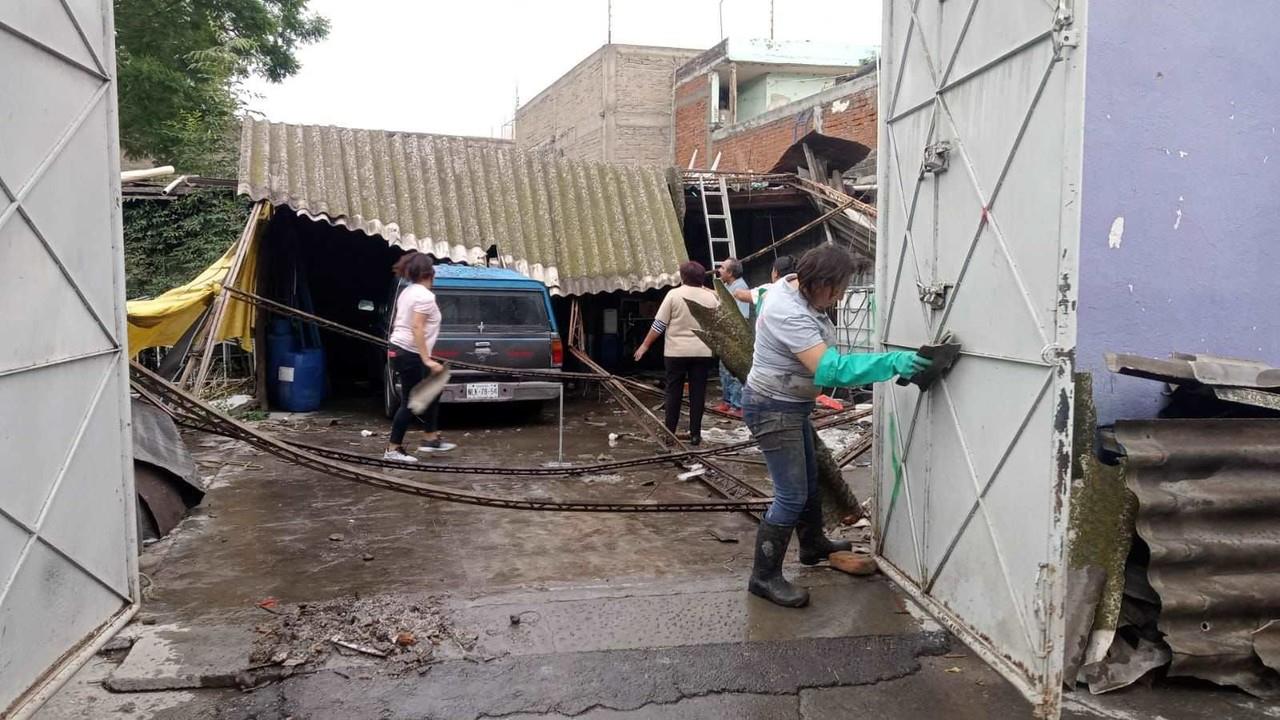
(837, 370)
(907, 364)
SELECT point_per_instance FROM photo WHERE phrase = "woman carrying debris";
(414, 329)
(685, 355)
(794, 356)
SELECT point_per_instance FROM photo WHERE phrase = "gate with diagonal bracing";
(68, 575)
(979, 225)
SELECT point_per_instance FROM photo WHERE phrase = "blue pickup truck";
(490, 316)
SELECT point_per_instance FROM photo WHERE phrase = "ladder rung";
(716, 217)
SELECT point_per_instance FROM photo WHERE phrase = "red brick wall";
(852, 117)
(692, 115)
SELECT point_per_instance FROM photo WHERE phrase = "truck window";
(466, 309)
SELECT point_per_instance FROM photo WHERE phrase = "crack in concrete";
(576, 684)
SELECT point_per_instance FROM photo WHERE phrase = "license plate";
(482, 391)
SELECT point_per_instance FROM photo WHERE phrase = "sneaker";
(724, 407)
(437, 445)
(399, 456)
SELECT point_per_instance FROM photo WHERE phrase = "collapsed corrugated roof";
(578, 227)
(1208, 501)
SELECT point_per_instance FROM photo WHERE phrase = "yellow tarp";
(162, 321)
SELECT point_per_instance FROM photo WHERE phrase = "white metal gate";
(979, 176)
(67, 554)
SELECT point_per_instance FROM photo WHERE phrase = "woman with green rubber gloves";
(794, 356)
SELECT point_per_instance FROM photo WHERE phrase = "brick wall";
(847, 111)
(691, 118)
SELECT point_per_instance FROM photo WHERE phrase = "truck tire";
(390, 401)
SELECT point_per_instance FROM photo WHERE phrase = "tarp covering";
(578, 227)
(161, 321)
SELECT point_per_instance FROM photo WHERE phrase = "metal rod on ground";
(546, 470)
(721, 481)
(194, 407)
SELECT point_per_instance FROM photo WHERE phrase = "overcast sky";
(454, 67)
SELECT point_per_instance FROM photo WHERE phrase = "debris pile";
(405, 632)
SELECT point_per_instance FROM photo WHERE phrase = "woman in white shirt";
(414, 329)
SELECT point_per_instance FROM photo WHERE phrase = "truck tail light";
(557, 352)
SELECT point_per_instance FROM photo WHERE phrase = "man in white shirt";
(731, 275)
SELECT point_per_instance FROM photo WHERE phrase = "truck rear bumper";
(507, 392)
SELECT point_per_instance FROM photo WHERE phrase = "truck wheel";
(390, 403)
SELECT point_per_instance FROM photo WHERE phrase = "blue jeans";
(732, 387)
(784, 431)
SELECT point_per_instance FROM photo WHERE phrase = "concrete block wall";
(565, 117)
(846, 111)
(614, 106)
(640, 131)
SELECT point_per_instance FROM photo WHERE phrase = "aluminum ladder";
(721, 245)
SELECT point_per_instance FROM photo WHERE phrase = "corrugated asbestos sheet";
(578, 227)
(1209, 495)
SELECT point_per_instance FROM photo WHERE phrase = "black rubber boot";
(766, 577)
(814, 544)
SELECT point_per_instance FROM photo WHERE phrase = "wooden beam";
(821, 219)
(220, 301)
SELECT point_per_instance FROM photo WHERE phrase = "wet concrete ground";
(619, 616)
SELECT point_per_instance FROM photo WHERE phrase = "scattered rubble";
(234, 402)
(405, 632)
(693, 472)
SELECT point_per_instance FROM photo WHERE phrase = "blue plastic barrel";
(301, 380)
(281, 344)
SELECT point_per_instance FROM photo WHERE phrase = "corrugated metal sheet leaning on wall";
(1209, 508)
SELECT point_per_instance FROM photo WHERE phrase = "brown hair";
(414, 266)
(692, 273)
(826, 266)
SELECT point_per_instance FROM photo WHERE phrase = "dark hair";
(826, 266)
(784, 265)
(415, 266)
(692, 273)
(733, 265)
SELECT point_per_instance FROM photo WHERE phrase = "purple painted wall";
(1182, 108)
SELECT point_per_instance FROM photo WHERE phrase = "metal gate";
(68, 574)
(979, 219)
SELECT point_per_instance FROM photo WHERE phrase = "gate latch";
(1065, 35)
(936, 158)
(934, 295)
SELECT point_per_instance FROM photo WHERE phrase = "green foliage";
(180, 65)
(166, 244)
